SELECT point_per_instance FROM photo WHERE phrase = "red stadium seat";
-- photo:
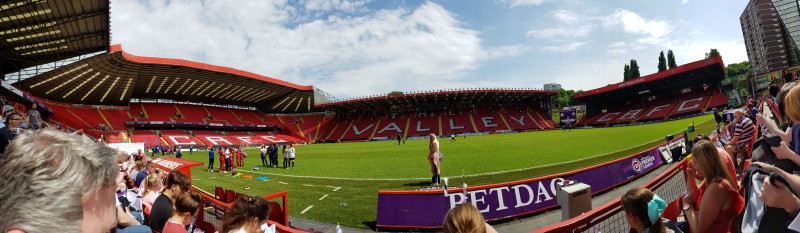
(672, 211)
(275, 212)
(230, 196)
(219, 193)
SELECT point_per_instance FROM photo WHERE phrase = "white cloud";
(329, 5)
(567, 31)
(732, 51)
(516, 3)
(565, 47)
(354, 55)
(616, 52)
(630, 22)
(618, 44)
(684, 1)
(565, 16)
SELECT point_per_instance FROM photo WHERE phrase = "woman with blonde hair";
(465, 218)
(719, 200)
(433, 159)
(152, 189)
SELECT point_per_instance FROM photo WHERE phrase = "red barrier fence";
(211, 221)
(610, 218)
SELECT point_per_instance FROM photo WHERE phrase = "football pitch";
(328, 175)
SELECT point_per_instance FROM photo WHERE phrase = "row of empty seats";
(439, 123)
(207, 138)
(661, 108)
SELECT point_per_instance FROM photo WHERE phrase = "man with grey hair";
(57, 182)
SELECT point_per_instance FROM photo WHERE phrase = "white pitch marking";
(282, 182)
(308, 185)
(307, 208)
(323, 197)
(337, 188)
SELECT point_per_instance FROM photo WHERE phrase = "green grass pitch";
(353, 173)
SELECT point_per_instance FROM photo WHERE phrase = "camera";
(17, 130)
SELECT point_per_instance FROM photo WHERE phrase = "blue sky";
(367, 47)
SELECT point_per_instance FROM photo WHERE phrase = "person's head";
(57, 182)
(705, 157)
(643, 210)
(737, 114)
(291, 145)
(151, 167)
(152, 184)
(188, 206)
(432, 137)
(464, 218)
(699, 138)
(791, 102)
(14, 120)
(138, 165)
(177, 183)
(33, 106)
(247, 212)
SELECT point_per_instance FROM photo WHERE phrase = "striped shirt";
(745, 130)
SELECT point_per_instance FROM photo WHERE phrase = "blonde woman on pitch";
(433, 159)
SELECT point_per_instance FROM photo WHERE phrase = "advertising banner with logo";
(568, 116)
(427, 208)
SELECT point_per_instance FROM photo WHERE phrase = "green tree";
(626, 75)
(737, 69)
(634, 69)
(671, 59)
(395, 93)
(662, 62)
(712, 53)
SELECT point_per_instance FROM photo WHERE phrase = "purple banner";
(568, 116)
(426, 209)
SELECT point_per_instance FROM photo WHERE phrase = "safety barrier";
(610, 218)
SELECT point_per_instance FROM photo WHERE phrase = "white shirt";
(291, 153)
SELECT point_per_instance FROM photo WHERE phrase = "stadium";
(361, 162)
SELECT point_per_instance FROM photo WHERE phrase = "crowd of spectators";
(715, 199)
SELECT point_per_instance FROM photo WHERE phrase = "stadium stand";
(680, 92)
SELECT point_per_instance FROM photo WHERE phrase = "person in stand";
(247, 215)
(291, 154)
(433, 159)
(643, 210)
(719, 201)
(210, 158)
(187, 207)
(34, 117)
(465, 217)
(74, 194)
(163, 206)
